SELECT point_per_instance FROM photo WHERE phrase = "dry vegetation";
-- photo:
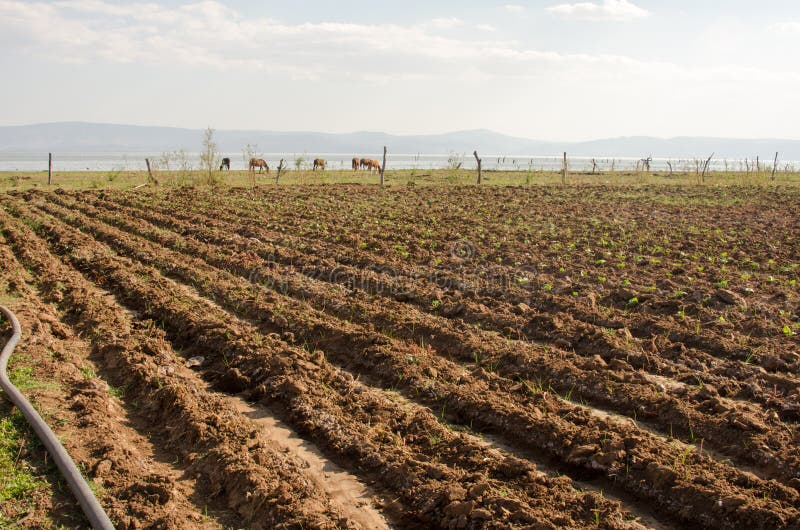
(124, 179)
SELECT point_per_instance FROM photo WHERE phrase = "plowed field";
(354, 357)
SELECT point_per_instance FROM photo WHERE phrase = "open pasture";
(127, 179)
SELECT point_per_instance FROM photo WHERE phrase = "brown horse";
(259, 163)
(372, 164)
(356, 164)
(319, 163)
(226, 164)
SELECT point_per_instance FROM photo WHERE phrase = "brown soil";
(359, 344)
(138, 482)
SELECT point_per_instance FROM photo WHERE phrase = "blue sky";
(553, 70)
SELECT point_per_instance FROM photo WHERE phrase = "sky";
(547, 70)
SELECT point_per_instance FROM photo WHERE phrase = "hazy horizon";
(87, 138)
(443, 132)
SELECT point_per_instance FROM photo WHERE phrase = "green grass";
(18, 480)
(21, 375)
(87, 372)
(7, 298)
(21, 180)
(23, 474)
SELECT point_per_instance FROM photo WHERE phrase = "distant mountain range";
(100, 138)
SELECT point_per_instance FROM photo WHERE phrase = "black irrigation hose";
(94, 512)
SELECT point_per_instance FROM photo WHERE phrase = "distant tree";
(209, 156)
(455, 161)
(249, 152)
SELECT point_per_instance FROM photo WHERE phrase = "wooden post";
(705, 167)
(278, 175)
(50, 169)
(479, 166)
(383, 167)
(564, 170)
(150, 172)
(774, 166)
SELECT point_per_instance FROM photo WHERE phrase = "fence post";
(774, 166)
(383, 167)
(706, 166)
(564, 170)
(150, 171)
(479, 165)
(278, 175)
(50, 169)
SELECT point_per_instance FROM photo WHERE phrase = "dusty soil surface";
(351, 357)
(138, 481)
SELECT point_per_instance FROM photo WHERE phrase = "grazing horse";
(356, 164)
(226, 163)
(319, 163)
(259, 163)
(372, 164)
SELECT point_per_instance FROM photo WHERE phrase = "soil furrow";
(649, 302)
(365, 312)
(265, 487)
(639, 346)
(290, 378)
(214, 281)
(134, 485)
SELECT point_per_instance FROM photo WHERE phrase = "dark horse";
(226, 163)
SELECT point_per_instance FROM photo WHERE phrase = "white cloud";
(239, 69)
(209, 35)
(445, 23)
(614, 10)
(514, 8)
(485, 27)
(786, 27)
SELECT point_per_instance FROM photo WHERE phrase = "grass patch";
(24, 477)
(22, 377)
(17, 181)
(7, 298)
(19, 480)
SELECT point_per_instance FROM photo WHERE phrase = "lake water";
(136, 161)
